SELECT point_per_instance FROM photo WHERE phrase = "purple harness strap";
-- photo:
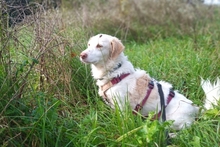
(170, 96)
(140, 106)
(150, 87)
(117, 79)
(114, 81)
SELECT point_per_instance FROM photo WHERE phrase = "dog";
(120, 83)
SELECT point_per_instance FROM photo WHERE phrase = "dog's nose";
(83, 55)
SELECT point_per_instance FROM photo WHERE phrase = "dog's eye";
(88, 44)
(98, 46)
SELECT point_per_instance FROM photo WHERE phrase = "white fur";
(180, 109)
(212, 92)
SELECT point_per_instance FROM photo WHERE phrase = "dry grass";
(138, 20)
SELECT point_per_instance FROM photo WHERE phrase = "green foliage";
(150, 133)
(48, 97)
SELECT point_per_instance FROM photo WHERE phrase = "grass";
(48, 97)
(171, 58)
(42, 119)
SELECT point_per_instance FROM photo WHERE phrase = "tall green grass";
(44, 119)
(48, 97)
(179, 61)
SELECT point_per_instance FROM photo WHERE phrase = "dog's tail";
(212, 92)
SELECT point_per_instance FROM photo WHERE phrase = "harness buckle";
(138, 107)
(151, 84)
(172, 93)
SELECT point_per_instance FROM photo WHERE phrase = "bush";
(38, 71)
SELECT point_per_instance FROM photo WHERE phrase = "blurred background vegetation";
(46, 94)
(132, 20)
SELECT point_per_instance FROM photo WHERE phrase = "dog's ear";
(116, 48)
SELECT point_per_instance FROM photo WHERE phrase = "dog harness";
(171, 94)
(138, 107)
(163, 106)
(114, 81)
(163, 111)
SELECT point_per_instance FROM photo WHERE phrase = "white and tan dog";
(119, 82)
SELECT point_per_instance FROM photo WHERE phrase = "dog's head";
(101, 48)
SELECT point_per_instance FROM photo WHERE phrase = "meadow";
(49, 99)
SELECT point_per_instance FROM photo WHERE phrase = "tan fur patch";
(142, 84)
(140, 90)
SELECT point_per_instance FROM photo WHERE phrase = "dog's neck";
(112, 68)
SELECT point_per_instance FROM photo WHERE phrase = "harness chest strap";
(139, 106)
(117, 79)
(114, 81)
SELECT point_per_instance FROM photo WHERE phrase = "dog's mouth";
(84, 61)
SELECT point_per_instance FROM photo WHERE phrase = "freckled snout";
(83, 55)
